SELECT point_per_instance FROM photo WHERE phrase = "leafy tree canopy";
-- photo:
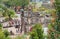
(17, 3)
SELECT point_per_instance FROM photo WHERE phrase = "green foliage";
(6, 19)
(0, 26)
(2, 9)
(18, 37)
(6, 33)
(17, 3)
(37, 32)
(2, 35)
(6, 12)
(11, 13)
(50, 26)
(7, 38)
(57, 4)
(52, 35)
(2, 1)
(34, 35)
(55, 33)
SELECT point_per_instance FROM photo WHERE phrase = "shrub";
(37, 32)
(6, 33)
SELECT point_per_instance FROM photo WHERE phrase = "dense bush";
(6, 33)
(37, 32)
